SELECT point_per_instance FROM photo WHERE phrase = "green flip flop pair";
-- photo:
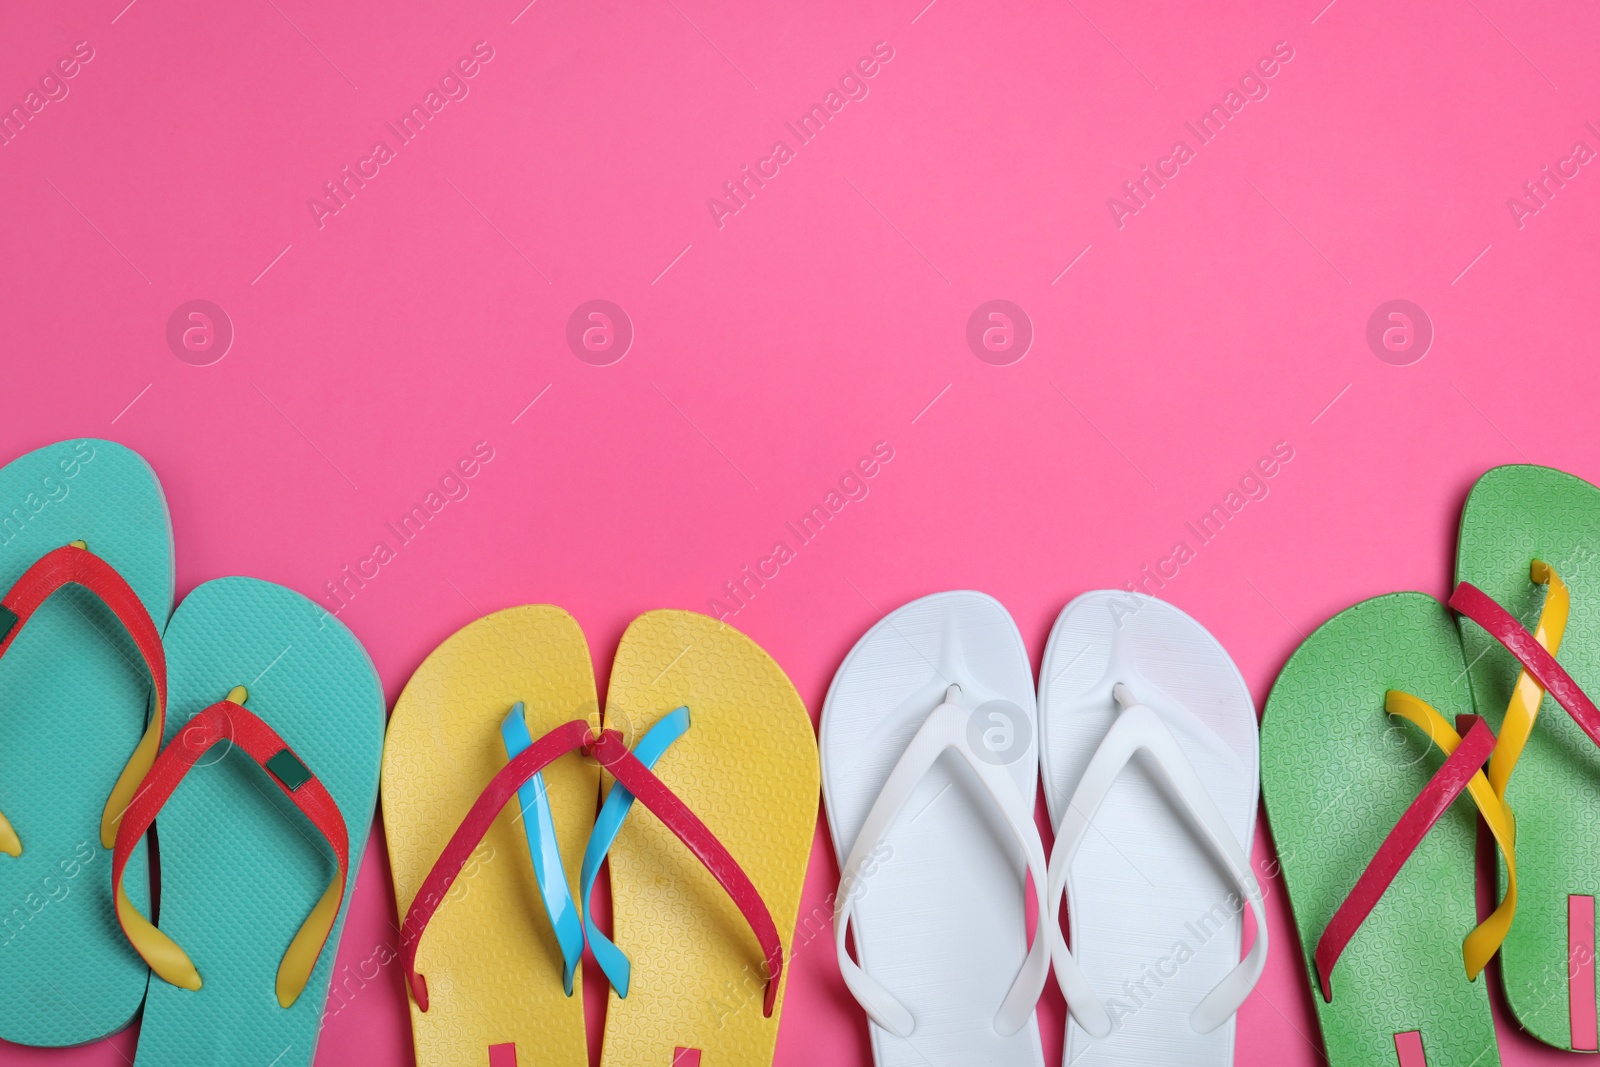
(117, 716)
(1391, 730)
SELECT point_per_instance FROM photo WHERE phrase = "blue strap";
(651, 746)
(542, 846)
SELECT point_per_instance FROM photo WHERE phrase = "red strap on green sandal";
(1448, 783)
(612, 753)
(229, 721)
(1501, 625)
(74, 564)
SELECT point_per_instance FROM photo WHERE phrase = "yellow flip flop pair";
(706, 732)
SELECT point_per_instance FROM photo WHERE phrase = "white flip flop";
(1148, 747)
(929, 772)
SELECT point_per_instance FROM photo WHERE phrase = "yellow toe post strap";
(159, 951)
(1528, 693)
(138, 765)
(10, 843)
(1485, 941)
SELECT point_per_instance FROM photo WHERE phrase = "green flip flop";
(265, 792)
(1514, 516)
(1342, 782)
(79, 647)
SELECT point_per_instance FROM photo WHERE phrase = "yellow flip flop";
(747, 767)
(492, 968)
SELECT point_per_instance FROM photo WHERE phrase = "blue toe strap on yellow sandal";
(613, 962)
(540, 827)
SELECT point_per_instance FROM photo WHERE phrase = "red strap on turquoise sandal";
(1448, 783)
(227, 721)
(612, 753)
(75, 565)
(1501, 625)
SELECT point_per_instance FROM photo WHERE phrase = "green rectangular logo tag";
(287, 768)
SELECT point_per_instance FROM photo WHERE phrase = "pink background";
(1227, 315)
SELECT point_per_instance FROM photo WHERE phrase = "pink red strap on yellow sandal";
(74, 564)
(568, 737)
(228, 721)
(1536, 660)
(612, 753)
(1484, 941)
(1448, 783)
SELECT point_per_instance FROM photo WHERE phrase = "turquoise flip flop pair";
(247, 727)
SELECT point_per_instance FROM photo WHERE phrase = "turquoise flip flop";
(76, 669)
(262, 800)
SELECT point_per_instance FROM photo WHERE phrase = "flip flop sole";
(491, 960)
(748, 768)
(940, 913)
(1336, 775)
(76, 700)
(241, 867)
(1514, 515)
(1155, 923)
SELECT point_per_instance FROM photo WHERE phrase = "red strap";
(70, 565)
(1449, 782)
(233, 723)
(1501, 625)
(613, 754)
(565, 738)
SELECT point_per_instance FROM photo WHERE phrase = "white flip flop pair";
(1146, 737)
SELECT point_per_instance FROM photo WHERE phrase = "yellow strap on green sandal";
(1485, 940)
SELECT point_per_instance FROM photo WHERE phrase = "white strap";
(1139, 728)
(945, 729)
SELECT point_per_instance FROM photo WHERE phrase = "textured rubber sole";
(1512, 516)
(1336, 774)
(940, 906)
(241, 867)
(491, 960)
(76, 699)
(748, 768)
(1155, 922)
